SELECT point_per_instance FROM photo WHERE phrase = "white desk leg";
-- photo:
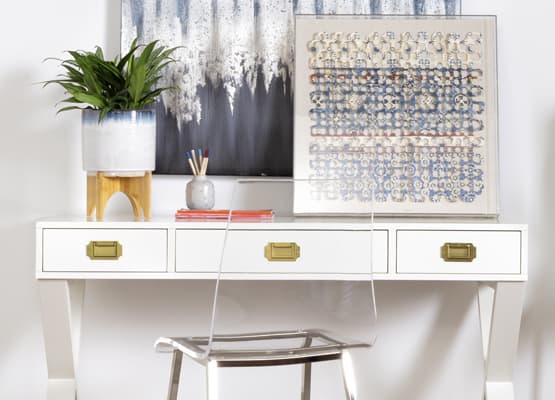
(212, 387)
(500, 313)
(61, 306)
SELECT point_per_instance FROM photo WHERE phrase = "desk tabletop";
(359, 222)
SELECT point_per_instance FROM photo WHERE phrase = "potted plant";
(118, 132)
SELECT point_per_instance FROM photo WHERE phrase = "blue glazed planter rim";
(90, 116)
(118, 112)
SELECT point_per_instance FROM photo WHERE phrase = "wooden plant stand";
(101, 187)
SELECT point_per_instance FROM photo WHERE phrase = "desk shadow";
(455, 301)
(538, 329)
(175, 308)
(36, 166)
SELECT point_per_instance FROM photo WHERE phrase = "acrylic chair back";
(293, 259)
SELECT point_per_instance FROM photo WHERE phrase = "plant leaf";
(152, 95)
(89, 99)
(69, 100)
(99, 53)
(125, 83)
(147, 51)
(137, 82)
(103, 114)
(68, 108)
(125, 58)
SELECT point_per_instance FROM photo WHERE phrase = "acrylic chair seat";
(331, 348)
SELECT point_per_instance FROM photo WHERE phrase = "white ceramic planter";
(123, 144)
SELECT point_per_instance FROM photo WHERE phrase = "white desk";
(164, 249)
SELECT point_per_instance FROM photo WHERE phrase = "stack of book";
(184, 214)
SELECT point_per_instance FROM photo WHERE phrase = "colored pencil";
(204, 162)
(195, 160)
(198, 160)
(191, 164)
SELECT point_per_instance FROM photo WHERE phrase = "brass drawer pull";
(103, 250)
(282, 251)
(458, 252)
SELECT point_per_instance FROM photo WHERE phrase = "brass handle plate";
(104, 250)
(458, 252)
(282, 251)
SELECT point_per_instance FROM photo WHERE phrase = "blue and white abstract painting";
(234, 74)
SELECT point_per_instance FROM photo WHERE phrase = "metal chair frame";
(333, 349)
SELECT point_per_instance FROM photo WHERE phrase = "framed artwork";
(233, 75)
(401, 112)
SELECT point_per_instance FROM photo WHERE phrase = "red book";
(185, 214)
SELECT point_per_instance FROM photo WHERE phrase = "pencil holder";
(199, 193)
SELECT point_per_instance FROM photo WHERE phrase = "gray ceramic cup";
(199, 193)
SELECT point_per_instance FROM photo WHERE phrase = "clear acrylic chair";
(284, 342)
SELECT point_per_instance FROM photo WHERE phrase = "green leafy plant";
(126, 83)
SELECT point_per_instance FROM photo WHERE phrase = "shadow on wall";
(40, 154)
(40, 176)
(113, 27)
(409, 363)
(538, 321)
(453, 302)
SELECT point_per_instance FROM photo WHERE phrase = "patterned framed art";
(400, 112)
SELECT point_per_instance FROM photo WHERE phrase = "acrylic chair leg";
(307, 374)
(212, 381)
(175, 374)
(348, 376)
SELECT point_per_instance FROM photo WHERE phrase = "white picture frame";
(415, 97)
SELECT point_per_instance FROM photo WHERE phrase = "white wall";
(429, 346)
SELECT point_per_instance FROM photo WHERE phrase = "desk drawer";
(496, 252)
(320, 251)
(142, 250)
